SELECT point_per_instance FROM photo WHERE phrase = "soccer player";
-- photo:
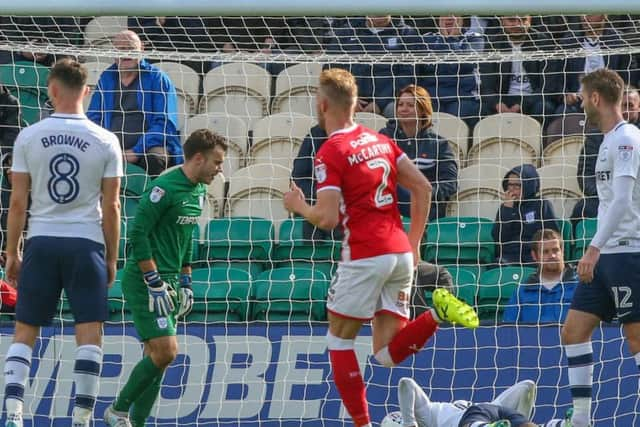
(157, 276)
(71, 169)
(512, 408)
(609, 270)
(357, 171)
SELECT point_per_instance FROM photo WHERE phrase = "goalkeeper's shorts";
(148, 324)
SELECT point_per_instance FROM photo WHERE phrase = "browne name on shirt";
(70, 140)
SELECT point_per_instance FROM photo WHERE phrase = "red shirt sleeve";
(328, 168)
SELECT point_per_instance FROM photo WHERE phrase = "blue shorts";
(51, 264)
(615, 289)
(488, 413)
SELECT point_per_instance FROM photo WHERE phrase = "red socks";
(412, 337)
(348, 380)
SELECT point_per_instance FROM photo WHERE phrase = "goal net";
(504, 97)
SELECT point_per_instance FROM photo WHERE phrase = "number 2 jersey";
(163, 227)
(362, 165)
(66, 157)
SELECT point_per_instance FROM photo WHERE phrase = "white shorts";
(362, 288)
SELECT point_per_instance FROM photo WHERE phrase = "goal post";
(253, 351)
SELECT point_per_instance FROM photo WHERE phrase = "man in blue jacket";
(546, 295)
(138, 102)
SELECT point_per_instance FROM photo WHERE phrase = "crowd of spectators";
(138, 101)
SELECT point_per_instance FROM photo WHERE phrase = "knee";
(163, 357)
(571, 336)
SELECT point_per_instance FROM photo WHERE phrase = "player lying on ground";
(512, 408)
(357, 170)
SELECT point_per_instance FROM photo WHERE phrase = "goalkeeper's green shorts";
(148, 324)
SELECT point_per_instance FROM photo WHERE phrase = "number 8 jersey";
(66, 156)
(362, 165)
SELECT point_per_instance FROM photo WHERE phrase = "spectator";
(546, 295)
(588, 206)
(432, 154)
(455, 87)
(9, 120)
(520, 86)
(303, 176)
(594, 35)
(522, 213)
(138, 102)
(175, 34)
(428, 277)
(377, 83)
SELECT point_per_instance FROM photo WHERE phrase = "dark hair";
(542, 235)
(607, 83)
(70, 73)
(203, 140)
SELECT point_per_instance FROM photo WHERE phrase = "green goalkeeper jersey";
(163, 226)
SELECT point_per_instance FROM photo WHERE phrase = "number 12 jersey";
(362, 165)
(66, 156)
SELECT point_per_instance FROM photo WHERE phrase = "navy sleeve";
(302, 172)
(446, 183)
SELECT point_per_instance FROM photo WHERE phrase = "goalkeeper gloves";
(186, 296)
(159, 298)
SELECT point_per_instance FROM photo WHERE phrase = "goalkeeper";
(157, 276)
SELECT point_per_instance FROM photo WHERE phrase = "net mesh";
(253, 351)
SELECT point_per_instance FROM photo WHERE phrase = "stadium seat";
(507, 139)
(566, 231)
(238, 89)
(559, 184)
(277, 138)
(479, 191)
(100, 30)
(135, 180)
(496, 286)
(564, 126)
(288, 294)
(187, 83)
(128, 206)
(292, 245)
(252, 268)
(585, 230)
(240, 238)
(296, 87)
(454, 130)
(465, 282)
(459, 240)
(27, 81)
(233, 128)
(257, 191)
(371, 120)
(220, 295)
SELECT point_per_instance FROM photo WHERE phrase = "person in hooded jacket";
(431, 153)
(522, 213)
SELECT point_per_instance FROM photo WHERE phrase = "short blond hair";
(339, 86)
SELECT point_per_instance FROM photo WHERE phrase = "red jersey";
(362, 165)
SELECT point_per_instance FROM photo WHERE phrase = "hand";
(160, 300)
(502, 108)
(161, 20)
(293, 199)
(570, 98)
(12, 271)
(515, 108)
(508, 199)
(186, 296)
(111, 273)
(130, 156)
(587, 264)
